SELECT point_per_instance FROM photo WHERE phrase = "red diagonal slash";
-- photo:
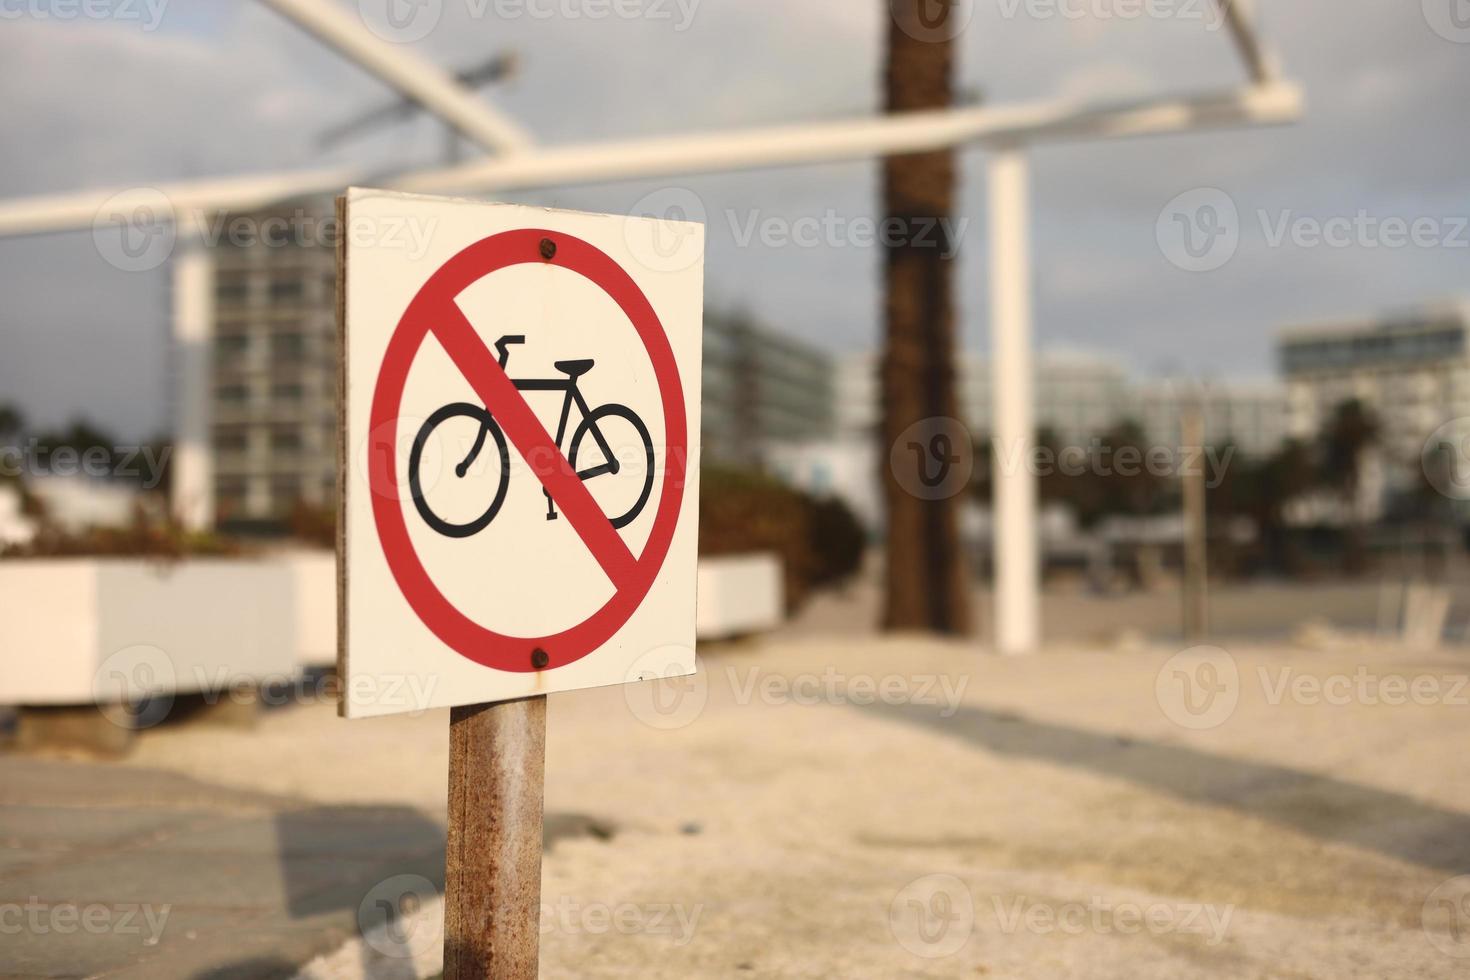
(529, 436)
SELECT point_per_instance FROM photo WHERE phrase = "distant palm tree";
(1351, 430)
(1347, 435)
(926, 576)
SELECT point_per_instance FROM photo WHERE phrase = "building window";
(232, 291)
(233, 394)
(231, 440)
(287, 392)
(286, 290)
(285, 491)
(287, 346)
(286, 440)
(232, 343)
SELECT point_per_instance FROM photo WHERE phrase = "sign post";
(492, 861)
(519, 478)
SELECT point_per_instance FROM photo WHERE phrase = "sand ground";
(824, 803)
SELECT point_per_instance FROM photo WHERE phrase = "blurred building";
(1410, 369)
(1080, 395)
(1249, 415)
(760, 389)
(275, 378)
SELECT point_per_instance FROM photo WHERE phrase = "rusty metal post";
(492, 864)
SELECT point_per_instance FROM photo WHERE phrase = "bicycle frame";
(573, 395)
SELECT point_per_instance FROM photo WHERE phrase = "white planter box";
(64, 621)
(737, 595)
(314, 574)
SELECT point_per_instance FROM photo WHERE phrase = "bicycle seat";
(573, 369)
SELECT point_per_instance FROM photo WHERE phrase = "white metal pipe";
(711, 152)
(190, 201)
(1260, 62)
(1014, 525)
(191, 475)
(397, 65)
(904, 133)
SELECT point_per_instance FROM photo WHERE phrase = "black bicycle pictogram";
(592, 423)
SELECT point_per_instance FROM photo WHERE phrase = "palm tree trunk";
(927, 585)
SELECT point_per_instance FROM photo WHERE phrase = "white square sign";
(520, 450)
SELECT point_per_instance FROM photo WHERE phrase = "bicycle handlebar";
(506, 341)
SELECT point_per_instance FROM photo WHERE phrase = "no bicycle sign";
(519, 471)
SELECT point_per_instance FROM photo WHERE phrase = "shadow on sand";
(1323, 807)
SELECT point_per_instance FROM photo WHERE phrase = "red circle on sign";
(433, 301)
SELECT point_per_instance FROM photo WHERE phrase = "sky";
(139, 92)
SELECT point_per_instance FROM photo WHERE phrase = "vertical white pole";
(193, 302)
(1017, 567)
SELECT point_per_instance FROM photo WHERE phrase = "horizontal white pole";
(397, 65)
(706, 153)
(86, 209)
(899, 134)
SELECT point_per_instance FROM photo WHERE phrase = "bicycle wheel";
(618, 441)
(415, 461)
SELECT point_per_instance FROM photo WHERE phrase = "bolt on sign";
(519, 464)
